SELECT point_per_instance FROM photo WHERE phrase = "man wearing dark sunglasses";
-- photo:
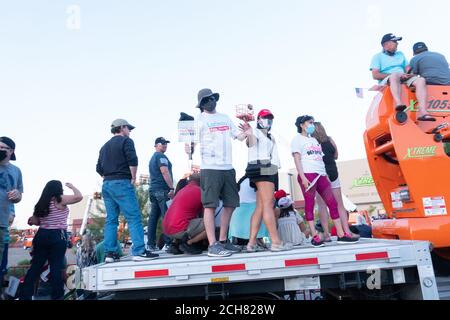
(218, 178)
(161, 190)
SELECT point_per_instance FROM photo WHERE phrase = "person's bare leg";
(396, 89)
(256, 219)
(267, 189)
(339, 229)
(312, 227)
(342, 212)
(421, 94)
(323, 215)
(197, 238)
(210, 228)
(225, 222)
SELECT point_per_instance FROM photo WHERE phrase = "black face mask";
(209, 105)
(3, 155)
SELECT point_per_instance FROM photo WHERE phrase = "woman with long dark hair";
(50, 243)
(330, 155)
(312, 177)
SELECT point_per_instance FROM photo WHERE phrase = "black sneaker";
(146, 255)
(111, 257)
(317, 242)
(188, 249)
(174, 249)
(347, 238)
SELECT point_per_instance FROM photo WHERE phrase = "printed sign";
(397, 204)
(434, 206)
(188, 131)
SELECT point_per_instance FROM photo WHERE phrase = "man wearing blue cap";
(390, 67)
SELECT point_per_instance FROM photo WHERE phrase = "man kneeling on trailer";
(183, 222)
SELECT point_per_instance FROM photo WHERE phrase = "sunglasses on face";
(211, 98)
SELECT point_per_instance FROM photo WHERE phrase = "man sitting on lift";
(390, 67)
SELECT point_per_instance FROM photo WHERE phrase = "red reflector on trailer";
(229, 267)
(151, 273)
(301, 262)
(372, 256)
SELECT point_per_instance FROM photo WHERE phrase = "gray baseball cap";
(121, 122)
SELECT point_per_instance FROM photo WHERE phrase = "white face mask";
(265, 123)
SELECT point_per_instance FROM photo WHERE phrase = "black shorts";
(219, 185)
(272, 178)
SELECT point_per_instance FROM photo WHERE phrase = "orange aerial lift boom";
(410, 164)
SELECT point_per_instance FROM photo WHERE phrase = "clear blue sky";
(145, 61)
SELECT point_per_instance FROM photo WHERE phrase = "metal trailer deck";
(305, 267)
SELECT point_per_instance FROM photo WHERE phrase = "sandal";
(254, 248)
(400, 108)
(426, 117)
(284, 246)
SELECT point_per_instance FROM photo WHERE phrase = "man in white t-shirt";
(218, 178)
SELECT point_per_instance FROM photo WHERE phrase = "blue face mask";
(310, 129)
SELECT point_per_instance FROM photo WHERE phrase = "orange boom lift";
(410, 164)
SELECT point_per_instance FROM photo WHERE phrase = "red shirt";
(186, 205)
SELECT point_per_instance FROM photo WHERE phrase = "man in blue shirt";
(161, 189)
(390, 67)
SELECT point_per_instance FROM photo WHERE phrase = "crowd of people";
(264, 217)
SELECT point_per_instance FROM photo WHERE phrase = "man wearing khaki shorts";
(390, 67)
(218, 178)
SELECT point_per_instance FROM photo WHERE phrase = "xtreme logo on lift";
(420, 152)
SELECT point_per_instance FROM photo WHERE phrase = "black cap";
(185, 117)
(390, 37)
(10, 143)
(419, 47)
(161, 140)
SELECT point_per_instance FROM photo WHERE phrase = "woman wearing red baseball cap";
(262, 169)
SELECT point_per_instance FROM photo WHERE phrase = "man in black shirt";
(117, 164)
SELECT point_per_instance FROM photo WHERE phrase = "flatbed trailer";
(370, 269)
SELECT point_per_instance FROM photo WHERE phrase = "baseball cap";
(280, 194)
(265, 113)
(10, 143)
(285, 202)
(121, 122)
(390, 37)
(419, 47)
(161, 140)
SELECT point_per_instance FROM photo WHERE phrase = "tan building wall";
(356, 183)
